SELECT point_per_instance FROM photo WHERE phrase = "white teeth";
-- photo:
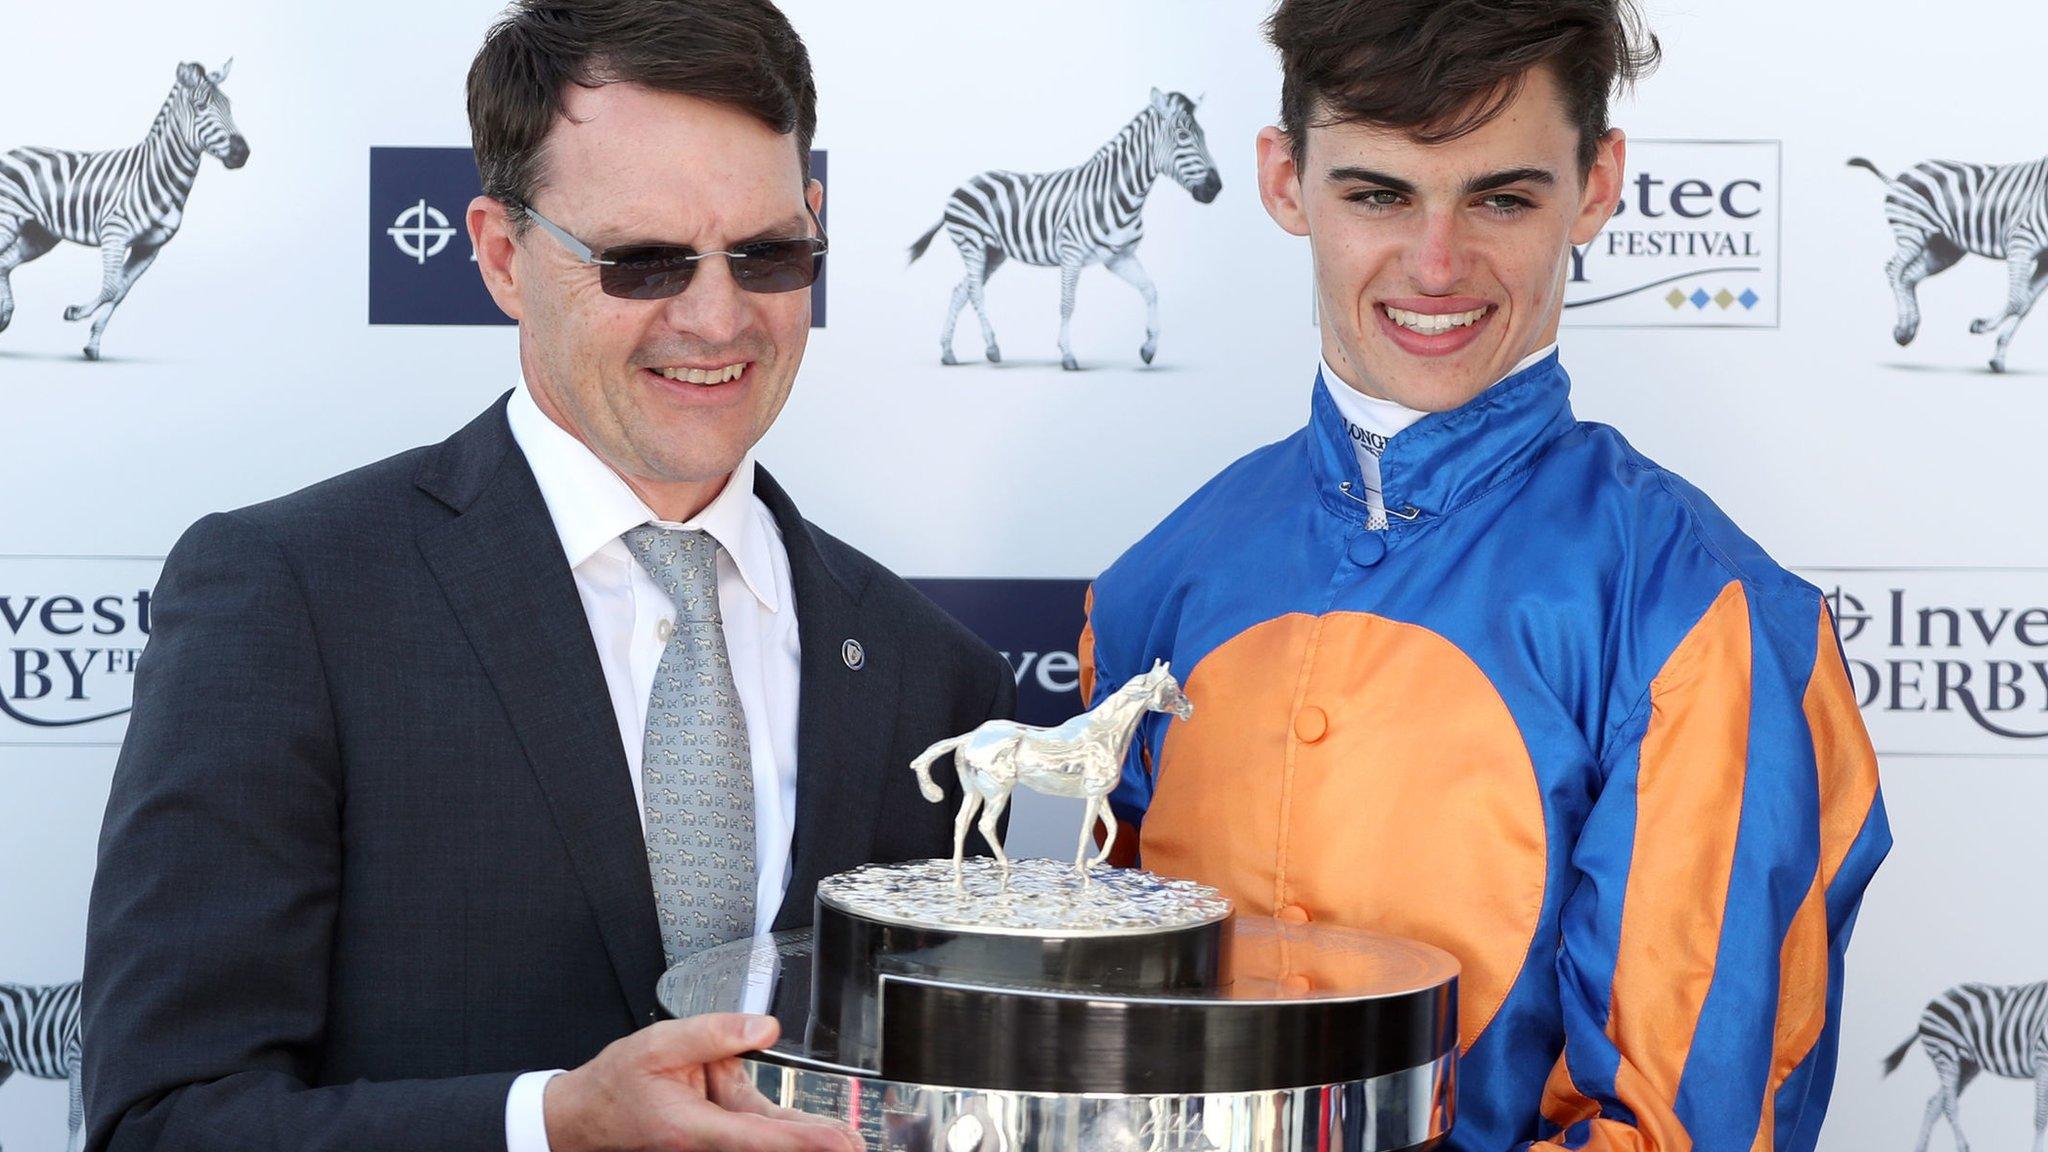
(705, 375)
(1434, 323)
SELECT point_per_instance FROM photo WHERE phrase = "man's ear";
(814, 193)
(490, 233)
(1280, 181)
(1603, 187)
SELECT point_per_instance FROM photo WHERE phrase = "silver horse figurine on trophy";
(1081, 758)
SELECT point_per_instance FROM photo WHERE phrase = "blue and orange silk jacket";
(1560, 718)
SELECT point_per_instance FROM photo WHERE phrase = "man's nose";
(1436, 258)
(712, 309)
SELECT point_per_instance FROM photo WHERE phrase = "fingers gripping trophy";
(1000, 1005)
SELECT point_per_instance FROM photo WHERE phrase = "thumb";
(711, 1037)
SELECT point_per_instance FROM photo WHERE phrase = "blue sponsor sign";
(422, 267)
(1036, 625)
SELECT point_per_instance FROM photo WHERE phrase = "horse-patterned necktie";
(697, 775)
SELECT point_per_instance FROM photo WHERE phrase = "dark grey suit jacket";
(371, 849)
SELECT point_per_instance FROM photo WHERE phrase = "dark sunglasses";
(659, 271)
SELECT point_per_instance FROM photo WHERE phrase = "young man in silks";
(1470, 671)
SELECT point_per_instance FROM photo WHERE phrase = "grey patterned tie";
(698, 776)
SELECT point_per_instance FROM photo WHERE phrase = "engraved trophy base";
(1396, 1112)
(1127, 1012)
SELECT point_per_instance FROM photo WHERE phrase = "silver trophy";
(1080, 759)
(977, 1005)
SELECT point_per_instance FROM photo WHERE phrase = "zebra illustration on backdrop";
(1941, 211)
(1974, 1028)
(1087, 214)
(39, 1038)
(128, 202)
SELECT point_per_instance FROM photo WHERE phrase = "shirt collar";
(1446, 459)
(1385, 417)
(1395, 413)
(592, 507)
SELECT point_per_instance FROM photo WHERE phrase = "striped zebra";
(1941, 211)
(39, 1037)
(1972, 1028)
(1075, 217)
(127, 202)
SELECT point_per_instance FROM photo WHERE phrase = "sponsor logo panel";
(1946, 661)
(1694, 242)
(1036, 625)
(72, 631)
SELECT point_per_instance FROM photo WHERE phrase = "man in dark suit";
(436, 765)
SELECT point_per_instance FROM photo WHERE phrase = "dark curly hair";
(1438, 69)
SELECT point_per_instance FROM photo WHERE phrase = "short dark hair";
(1438, 69)
(741, 53)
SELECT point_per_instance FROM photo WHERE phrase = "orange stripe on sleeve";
(1084, 650)
(1846, 769)
(1689, 784)
(1563, 1104)
(1842, 752)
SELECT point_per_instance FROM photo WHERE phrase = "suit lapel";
(501, 567)
(846, 709)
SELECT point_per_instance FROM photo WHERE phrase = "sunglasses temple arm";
(577, 248)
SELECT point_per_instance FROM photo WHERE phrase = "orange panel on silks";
(1340, 806)
(1557, 716)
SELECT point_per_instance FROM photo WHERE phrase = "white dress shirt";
(1372, 422)
(631, 619)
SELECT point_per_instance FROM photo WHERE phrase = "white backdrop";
(242, 367)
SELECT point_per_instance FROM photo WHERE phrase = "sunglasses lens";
(651, 273)
(659, 272)
(777, 265)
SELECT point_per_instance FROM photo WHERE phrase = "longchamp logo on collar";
(854, 655)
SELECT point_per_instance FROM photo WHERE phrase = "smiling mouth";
(1434, 323)
(705, 376)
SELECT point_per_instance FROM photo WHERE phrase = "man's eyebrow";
(789, 227)
(1354, 175)
(1507, 176)
(1473, 187)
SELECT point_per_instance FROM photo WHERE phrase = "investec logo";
(74, 630)
(1035, 625)
(1946, 661)
(1694, 242)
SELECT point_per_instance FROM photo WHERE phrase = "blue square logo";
(1035, 624)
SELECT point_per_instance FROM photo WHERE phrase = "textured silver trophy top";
(1043, 897)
